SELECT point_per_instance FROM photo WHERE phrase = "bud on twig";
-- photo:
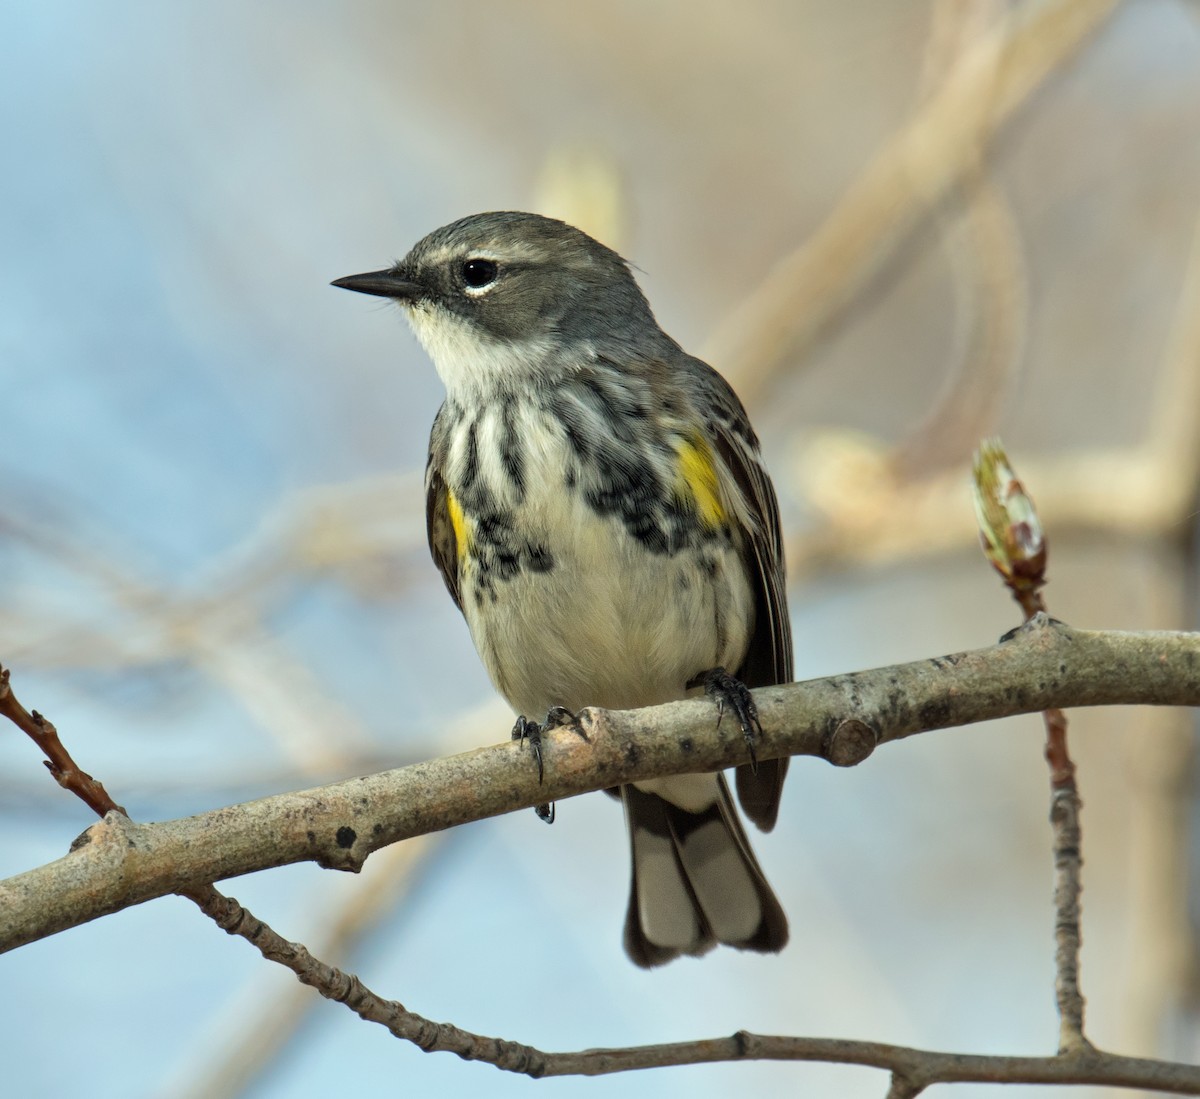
(1010, 529)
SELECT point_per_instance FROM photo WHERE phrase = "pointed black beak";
(383, 284)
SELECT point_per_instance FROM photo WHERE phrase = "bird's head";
(504, 299)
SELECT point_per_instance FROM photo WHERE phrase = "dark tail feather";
(696, 882)
(760, 793)
(664, 891)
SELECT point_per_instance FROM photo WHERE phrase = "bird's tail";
(696, 881)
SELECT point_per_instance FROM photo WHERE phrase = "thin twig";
(1015, 544)
(1067, 846)
(67, 773)
(251, 1032)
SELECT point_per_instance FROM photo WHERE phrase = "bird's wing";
(769, 656)
(439, 526)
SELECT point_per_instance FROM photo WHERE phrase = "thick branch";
(118, 863)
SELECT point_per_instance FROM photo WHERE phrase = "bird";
(597, 505)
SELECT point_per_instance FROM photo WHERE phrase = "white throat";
(471, 363)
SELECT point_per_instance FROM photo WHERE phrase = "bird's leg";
(727, 691)
(523, 730)
(557, 717)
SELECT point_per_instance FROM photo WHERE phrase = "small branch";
(917, 1069)
(1068, 885)
(1067, 846)
(347, 989)
(913, 1070)
(67, 773)
(251, 1032)
(118, 863)
(1015, 543)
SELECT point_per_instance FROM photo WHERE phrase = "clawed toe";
(557, 717)
(728, 691)
(523, 730)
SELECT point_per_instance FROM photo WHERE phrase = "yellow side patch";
(698, 480)
(458, 523)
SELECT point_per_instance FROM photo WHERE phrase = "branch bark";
(118, 863)
(913, 1070)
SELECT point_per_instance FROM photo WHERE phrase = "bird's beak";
(383, 284)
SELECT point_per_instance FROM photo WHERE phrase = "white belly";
(611, 623)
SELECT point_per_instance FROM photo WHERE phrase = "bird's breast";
(588, 575)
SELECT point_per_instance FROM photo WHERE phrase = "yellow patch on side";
(698, 480)
(458, 524)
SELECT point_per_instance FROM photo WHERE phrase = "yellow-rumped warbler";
(597, 506)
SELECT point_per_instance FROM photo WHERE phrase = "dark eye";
(479, 272)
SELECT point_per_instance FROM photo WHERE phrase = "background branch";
(912, 174)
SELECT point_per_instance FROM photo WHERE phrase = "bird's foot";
(557, 717)
(729, 692)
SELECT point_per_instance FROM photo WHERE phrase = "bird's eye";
(477, 273)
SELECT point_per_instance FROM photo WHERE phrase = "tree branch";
(913, 1070)
(916, 1069)
(118, 863)
(841, 719)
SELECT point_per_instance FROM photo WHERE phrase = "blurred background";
(895, 225)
